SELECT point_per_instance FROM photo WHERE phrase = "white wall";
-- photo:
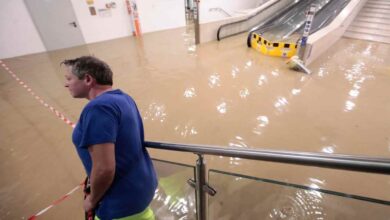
(232, 7)
(158, 15)
(97, 28)
(18, 35)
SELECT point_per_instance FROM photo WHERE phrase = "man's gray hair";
(98, 69)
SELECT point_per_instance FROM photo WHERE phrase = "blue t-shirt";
(113, 117)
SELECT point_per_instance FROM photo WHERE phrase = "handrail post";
(200, 181)
(196, 18)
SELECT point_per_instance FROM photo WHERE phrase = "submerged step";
(373, 20)
(378, 32)
(379, 1)
(363, 36)
(374, 15)
(382, 2)
(377, 6)
(376, 11)
(371, 25)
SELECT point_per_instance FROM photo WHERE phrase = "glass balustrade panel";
(244, 197)
(174, 197)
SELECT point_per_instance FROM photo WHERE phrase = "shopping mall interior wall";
(18, 35)
(161, 15)
(211, 10)
(109, 22)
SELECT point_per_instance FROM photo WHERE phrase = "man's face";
(77, 87)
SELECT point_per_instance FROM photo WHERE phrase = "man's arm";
(102, 174)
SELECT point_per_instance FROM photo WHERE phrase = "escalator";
(279, 35)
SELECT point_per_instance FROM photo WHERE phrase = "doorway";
(56, 23)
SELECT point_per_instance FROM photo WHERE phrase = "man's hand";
(88, 205)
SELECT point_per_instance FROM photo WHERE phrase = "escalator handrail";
(263, 28)
(246, 19)
(328, 20)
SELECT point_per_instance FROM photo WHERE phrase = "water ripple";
(155, 112)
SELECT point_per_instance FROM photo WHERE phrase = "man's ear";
(88, 79)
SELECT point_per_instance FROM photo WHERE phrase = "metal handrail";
(244, 20)
(220, 10)
(335, 161)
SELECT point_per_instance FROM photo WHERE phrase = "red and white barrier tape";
(60, 116)
(56, 202)
(24, 85)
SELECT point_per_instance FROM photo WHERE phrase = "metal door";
(56, 23)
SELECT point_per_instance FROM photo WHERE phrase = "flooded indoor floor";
(218, 93)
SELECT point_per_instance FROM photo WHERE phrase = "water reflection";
(328, 146)
(356, 76)
(222, 107)
(281, 103)
(317, 181)
(155, 112)
(322, 72)
(262, 80)
(189, 39)
(367, 51)
(191, 48)
(214, 80)
(235, 71)
(234, 161)
(189, 92)
(248, 64)
(354, 92)
(262, 121)
(328, 149)
(303, 78)
(355, 72)
(349, 106)
(295, 91)
(238, 142)
(186, 130)
(244, 93)
(275, 73)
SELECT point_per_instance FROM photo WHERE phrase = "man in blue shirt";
(109, 138)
